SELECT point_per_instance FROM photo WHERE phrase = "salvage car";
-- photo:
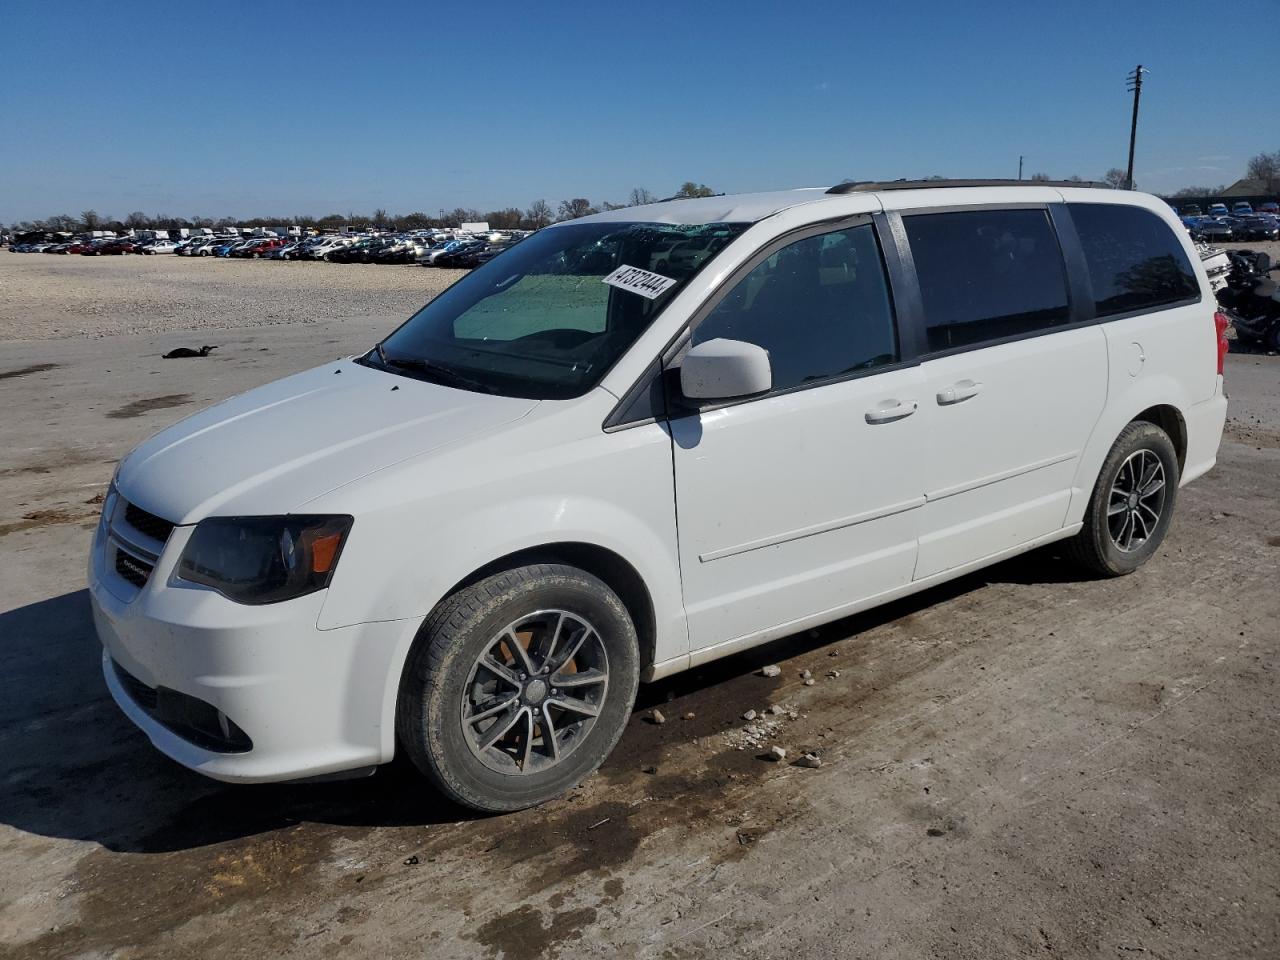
(571, 472)
(1258, 228)
(1216, 230)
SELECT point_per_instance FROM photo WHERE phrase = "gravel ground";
(1271, 247)
(45, 297)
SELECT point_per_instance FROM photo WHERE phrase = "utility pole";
(1019, 166)
(1135, 86)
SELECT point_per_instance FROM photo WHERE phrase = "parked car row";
(1228, 228)
(425, 248)
(1241, 208)
(100, 246)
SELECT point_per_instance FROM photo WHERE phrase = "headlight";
(264, 559)
(108, 506)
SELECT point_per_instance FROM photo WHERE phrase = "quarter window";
(820, 306)
(1135, 261)
(987, 275)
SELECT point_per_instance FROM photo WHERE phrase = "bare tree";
(462, 215)
(538, 215)
(91, 220)
(1199, 191)
(1265, 167)
(639, 197)
(508, 218)
(1040, 178)
(1115, 178)
(575, 208)
(691, 189)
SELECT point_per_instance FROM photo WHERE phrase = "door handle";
(958, 391)
(887, 411)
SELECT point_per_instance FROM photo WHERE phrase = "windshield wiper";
(435, 371)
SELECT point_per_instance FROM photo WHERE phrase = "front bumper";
(309, 701)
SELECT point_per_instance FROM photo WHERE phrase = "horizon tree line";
(1265, 167)
(538, 214)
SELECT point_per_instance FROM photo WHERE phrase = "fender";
(477, 539)
(1122, 407)
(428, 525)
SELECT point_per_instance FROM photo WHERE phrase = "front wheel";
(1132, 503)
(519, 686)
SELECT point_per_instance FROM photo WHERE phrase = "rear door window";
(987, 275)
(1135, 261)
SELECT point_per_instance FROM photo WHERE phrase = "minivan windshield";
(539, 320)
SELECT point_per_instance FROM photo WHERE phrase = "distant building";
(1253, 189)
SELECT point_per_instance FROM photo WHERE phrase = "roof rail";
(681, 196)
(870, 186)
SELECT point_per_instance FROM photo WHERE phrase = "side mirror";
(724, 370)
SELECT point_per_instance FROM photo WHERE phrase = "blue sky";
(273, 107)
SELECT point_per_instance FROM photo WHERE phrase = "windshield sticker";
(648, 285)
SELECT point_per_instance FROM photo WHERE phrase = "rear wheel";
(519, 686)
(1132, 503)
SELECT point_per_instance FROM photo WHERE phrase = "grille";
(147, 523)
(138, 692)
(132, 569)
(192, 719)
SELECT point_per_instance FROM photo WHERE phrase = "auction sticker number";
(647, 284)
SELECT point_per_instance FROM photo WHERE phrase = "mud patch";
(595, 839)
(24, 371)
(53, 460)
(1273, 541)
(133, 899)
(139, 407)
(42, 518)
(521, 934)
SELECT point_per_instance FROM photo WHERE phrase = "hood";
(276, 447)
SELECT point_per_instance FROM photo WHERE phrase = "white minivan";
(588, 463)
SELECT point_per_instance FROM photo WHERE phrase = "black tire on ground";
(1273, 337)
(438, 678)
(1095, 546)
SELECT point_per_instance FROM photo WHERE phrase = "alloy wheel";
(535, 691)
(1137, 500)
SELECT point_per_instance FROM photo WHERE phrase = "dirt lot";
(43, 296)
(1023, 763)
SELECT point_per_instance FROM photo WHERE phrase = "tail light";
(1220, 323)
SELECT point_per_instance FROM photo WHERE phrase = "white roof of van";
(898, 195)
(735, 208)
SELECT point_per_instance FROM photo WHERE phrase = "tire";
(1272, 339)
(444, 681)
(1100, 545)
